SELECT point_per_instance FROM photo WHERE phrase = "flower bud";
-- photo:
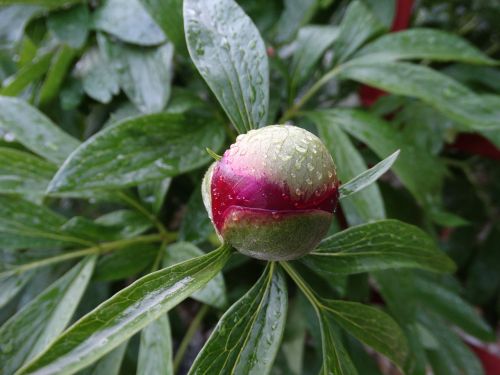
(273, 193)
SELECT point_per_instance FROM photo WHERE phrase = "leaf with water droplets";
(336, 359)
(137, 150)
(23, 173)
(247, 337)
(368, 177)
(130, 23)
(371, 326)
(26, 225)
(214, 293)
(422, 44)
(377, 246)
(312, 42)
(29, 331)
(34, 130)
(125, 314)
(155, 352)
(438, 90)
(358, 25)
(145, 75)
(230, 54)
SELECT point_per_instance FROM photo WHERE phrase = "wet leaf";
(34, 130)
(145, 75)
(439, 91)
(110, 364)
(230, 55)
(312, 42)
(296, 14)
(422, 44)
(28, 332)
(214, 293)
(126, 313)
(377, 246)
(25, 224)
(368, 177)
(137, 150)
(14, 19)
(247, 337)
(130, 23)
(196, 225)
(11, 285)
(155, 353)
(70, 26)
(23, 173)
(371, 326)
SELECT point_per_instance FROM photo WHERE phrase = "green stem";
(301, 283)
(309, 94)
(97, 249)
(195, 324)
(140, 208)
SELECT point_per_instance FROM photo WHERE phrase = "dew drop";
(310, 167)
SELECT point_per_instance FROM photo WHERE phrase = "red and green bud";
(273, 194)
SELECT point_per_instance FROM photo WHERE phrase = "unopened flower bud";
(273, 194)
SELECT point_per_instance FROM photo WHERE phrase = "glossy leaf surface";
(377, 246)
(229, 53)
(126, 313)
(137, 150)
(247, 337)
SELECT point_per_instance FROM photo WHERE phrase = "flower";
(273, 193)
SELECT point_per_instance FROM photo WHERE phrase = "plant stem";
(301, 283)
(309, 94)
(140, 208)
(97, 249)
(195, 324)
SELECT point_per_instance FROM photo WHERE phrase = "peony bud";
(273, 193)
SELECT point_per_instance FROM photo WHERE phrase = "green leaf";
(312, 42)
(336, 360)
(11, 285)
(25, 224)
(125, 263)
(247, 337)
(34, 130)
(155, 352)
(70, 26)
(377, 246)
(132, 223)
(23, 173)
(230, 54)
(452, 356)
(153, 194)
(29, 73)
(371, 326)
(196, 226)
(60, 65)
(168, 15)
(137, 150)
(28, 332)
(368, 177)
(449, 305)
(145, 75)
(126, 313)
(51, 4)
(367, 204)
(357, 27)
(439, 91)
(108, 365)
(384, 10)
(214, 293)
(423, 179)
(130, 23)
(422, 44)
(296, 14)
(99, 79)
(14, 20)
